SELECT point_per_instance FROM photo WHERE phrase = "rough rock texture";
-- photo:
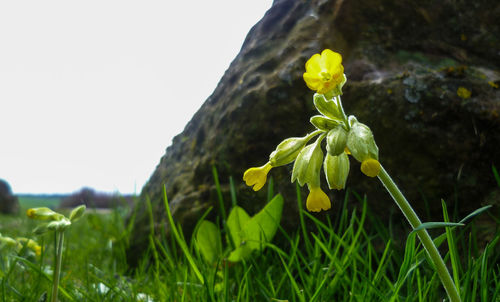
(404, 60)
(8, 202)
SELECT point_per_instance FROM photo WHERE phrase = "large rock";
(8, 202)
(405, 61)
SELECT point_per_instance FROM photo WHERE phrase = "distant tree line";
(92, 199)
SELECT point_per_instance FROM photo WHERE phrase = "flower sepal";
(336, 141)
(307, 166)
(287, 151)
(327, 107)
(323, 123)
(336, 170)
(360, 142)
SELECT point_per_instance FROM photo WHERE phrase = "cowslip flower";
(324, 72)
(371, 167)
(31, 244)
(257, 176)
(317, 200)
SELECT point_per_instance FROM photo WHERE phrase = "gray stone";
(8, 202)
(404, 61)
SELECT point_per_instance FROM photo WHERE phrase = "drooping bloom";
(317, 200)
(370, 167)
(43, 213)
(324, 72)
(31, 244)
(257, 177)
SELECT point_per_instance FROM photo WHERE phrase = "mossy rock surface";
(405, 61)
(9, 204)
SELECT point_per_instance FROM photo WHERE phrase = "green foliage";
(253, 233)
(246, 234)
(348, 256)
(208, 241)
(34, 201)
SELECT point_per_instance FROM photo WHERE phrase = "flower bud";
(307, 166)
(59, 225)
(361, 143)
(7, 241)
(336, 170)
(336, 140)
(326, 107)
(287, 151)
(323, 123)
(31, 244)
(43, 213)
(76, 213)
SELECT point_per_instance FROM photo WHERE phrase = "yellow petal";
(257, 177)
(313, 81)
(317, 200)
(370, 167)
(313, 65)
(330, 60)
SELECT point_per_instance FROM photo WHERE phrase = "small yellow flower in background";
(370, 167)
(317, 200)
(493, 84)
(30, 213)
(257, 177)
(43, 213)
(31, 244)
(463, 92)
(324, 72)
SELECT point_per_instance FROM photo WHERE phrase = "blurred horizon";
(93, 92)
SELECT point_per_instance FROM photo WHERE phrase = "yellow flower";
(370, 167)
(317, 200)
(30, 213)
(256, 177)
(31, 244)
(324, 72)
(43, 213)
(463, 92)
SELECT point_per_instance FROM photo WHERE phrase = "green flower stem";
(58, 243)
(313, 134)
(341, 109)
(426, 240)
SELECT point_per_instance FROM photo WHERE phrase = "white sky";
(92, 92)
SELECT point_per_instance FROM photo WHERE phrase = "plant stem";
(424, 236)
(59, 239)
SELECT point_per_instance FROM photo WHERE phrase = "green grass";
(33, 201)
(352, 258)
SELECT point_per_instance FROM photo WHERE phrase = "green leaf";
(433, 225)
(323, 123)
(327, 108)
(236, 220)
(181, 241)
(262, 227)
(240, 253)
(475, 213)
(208, 241)
(77, 213)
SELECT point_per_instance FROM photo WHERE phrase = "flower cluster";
(343, 134)
(54, 220)
(20, 242)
